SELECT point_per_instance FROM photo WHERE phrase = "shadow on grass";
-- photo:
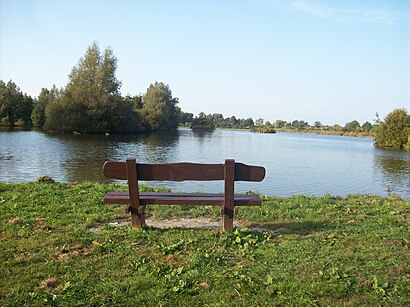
(301, 228)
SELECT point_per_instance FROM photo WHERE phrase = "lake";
(295, 163)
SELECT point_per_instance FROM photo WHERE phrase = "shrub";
(394, 131)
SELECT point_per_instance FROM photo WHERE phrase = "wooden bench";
(136, 201)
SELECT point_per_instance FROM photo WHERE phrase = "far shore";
(314, 131)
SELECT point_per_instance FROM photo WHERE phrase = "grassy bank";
(330, 132)
(57, 248)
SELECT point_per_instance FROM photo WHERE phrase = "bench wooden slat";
(183, 171)
(154, 198)
(245, 172)
(172, 171)
(183, 194)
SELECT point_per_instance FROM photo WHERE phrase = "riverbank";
(310, 131)
(61, 246)
(331, 132)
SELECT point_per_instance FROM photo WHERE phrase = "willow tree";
(91, 101)
(394, 130)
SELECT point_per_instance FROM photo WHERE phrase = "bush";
(394, 131)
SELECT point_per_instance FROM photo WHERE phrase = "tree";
(353, 126)
(45, 98)
(248, 123)
(96, 71)
(23, 110)
(159, 110)
(366, 127)
(91, 101)
(186, 118)
(299, 124)
(259, 122)
(15, 108)
(394, 130)
(232, 121)
(280, 123)
(318, 125)
(203, 122)
(135, 101)
(218, 119)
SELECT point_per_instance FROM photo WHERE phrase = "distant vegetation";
(91, 103)
(202, 123)
(394, 131)
(216, 120)
(211, 121)
(264, 129)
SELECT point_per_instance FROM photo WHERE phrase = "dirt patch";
(65, 253)
(48, 284)
(190, 223)
(195, 223)
(15, 220)
(41, 225)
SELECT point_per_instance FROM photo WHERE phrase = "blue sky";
(332, 61)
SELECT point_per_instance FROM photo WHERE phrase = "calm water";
(295, 163)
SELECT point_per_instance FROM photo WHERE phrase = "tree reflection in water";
(395, 169)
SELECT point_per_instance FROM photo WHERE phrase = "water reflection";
(393, 165)
(79, 156)
(159, 147)
(160, 139)
(202, 135)
(395, 170)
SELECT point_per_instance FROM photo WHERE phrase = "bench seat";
(159, 198)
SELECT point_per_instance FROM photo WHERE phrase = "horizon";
(276, 60)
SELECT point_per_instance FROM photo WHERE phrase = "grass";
(316, 251)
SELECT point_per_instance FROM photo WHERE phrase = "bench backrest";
(183, 171)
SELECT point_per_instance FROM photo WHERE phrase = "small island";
(202, 123)
(263, 129)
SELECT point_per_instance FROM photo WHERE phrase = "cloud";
(383, 15)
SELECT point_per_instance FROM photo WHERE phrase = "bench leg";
(138, 217)
(227, 219)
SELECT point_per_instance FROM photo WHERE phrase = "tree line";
(91, 103)
(392, 132)
(217, 120)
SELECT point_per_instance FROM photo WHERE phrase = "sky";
(327, 61)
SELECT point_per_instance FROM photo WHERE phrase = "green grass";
(316, 251)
